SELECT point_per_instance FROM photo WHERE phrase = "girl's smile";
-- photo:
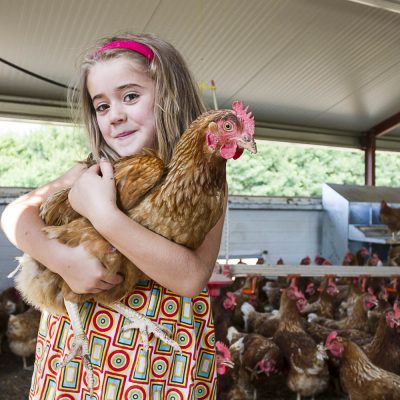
(123, 135)
(123, 99)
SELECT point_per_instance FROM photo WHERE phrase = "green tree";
(277, 169)
(31, 160)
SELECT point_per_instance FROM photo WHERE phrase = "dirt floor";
(14, 380)
(15, 383)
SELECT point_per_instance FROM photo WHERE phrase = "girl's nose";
(117, 115)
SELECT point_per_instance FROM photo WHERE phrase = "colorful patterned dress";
(122, 369)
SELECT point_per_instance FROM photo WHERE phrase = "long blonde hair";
(176, 101)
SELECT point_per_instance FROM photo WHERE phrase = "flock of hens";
(329, 337)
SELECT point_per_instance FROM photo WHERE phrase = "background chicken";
(22, 333)
(393, 258)
(256, 357)
(391, 217)
(224, 365)
(384, 349)
(11, 302)
(308, 372)
(223, 307)
(360, 378)
(323, 306)
(358, 318)
(169, 200)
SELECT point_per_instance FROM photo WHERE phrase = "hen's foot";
(145, 326)
(80, 344)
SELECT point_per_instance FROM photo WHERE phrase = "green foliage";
(276, 170)
(30, 160)
(297, 170)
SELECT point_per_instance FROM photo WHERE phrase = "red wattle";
(238, 153)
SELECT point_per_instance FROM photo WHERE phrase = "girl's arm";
(175, 267)
(22, 225)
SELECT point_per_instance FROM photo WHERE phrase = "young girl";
(135, 92)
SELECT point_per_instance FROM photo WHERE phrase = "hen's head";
(229, 302)
(384, 205)
(223, 359)
(232, 131)
(334, 344)
(305, 261)
(266, 366)
(332, 289)
(393, 317)
(294, 293)
(370, 299)
(348, 258)
(310, 289)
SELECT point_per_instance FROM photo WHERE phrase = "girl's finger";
(106, 169)
(112, 279)
(105, 285)
(94, 168)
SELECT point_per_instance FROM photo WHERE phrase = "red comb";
(331, 337)
(223, 349)
(371, 291)
(396, 309)
(246, 118)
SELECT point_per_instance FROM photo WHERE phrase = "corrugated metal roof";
(329, 69)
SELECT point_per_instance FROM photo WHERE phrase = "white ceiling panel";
(310, 67)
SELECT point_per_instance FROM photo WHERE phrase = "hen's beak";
(228, 363)
(249, 145)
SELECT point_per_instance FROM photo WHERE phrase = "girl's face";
(123, 99)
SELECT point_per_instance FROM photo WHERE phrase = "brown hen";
(360, 378)
(22, 332)
(308, 372)
(391, 217)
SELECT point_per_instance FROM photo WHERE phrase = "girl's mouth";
(125, 134)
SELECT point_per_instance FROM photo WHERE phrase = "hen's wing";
(56, 209)
(135, 176)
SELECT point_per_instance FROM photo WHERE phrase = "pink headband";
(129, 45)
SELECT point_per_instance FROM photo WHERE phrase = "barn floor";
(15, 383)
(14, 380)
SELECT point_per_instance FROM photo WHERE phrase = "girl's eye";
(130, 96)
(228, 126)
(101, 107)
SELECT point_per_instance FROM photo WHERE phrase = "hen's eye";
(228, 126)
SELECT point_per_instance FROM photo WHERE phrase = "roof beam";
(385, 126)
(13, 107)
(307, 135)
(388, 5)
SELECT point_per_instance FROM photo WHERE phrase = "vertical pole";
(369, 150)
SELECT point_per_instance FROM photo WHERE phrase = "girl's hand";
(94, 279)
(93, 193)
